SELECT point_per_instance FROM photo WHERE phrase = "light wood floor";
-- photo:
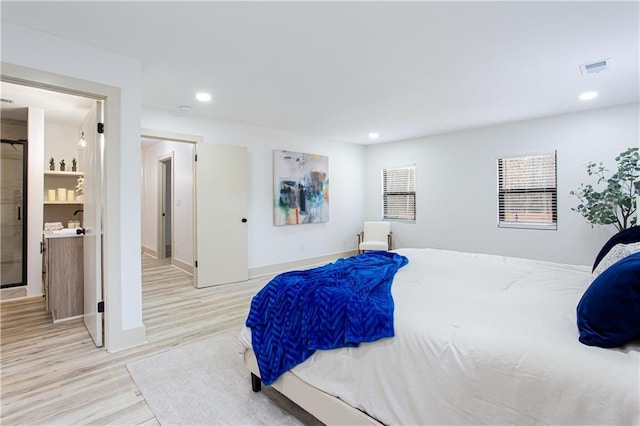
(53, 373)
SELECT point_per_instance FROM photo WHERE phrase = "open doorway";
(56, 116)
(216, 252)
(165, 207)
(167, 203)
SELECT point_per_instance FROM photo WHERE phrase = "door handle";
(244, 220)
(80, 231)
(19, 213)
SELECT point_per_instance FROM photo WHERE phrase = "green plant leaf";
(615, 202)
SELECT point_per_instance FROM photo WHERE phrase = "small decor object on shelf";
(616, 202)
(80, 188)
(62, 194)
(62, 165)
(52, 163)
(74, 165)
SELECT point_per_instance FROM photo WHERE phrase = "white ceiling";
(61, 108)
(343, 69)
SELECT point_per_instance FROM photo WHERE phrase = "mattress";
(482, 339)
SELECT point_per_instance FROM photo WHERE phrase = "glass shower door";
(13, 221)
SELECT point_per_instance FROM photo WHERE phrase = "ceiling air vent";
(595, 67)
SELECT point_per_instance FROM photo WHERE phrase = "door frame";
(114, 337)
(162, 190)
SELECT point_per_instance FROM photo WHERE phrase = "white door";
(221, 215)
(92, 223)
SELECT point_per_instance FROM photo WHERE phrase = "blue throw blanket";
(333, 306)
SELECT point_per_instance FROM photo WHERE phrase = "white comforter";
(483, 339)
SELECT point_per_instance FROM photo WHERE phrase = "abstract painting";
(301, 188)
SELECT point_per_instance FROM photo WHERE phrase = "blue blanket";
(333, 306)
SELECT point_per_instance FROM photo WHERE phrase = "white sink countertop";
(62, 233)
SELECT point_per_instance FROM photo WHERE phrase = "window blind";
(399, 193)
(527, 191)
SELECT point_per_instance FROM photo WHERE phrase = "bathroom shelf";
(59, 173)
(63, 202)
(55, 180)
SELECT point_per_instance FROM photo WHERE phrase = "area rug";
(206, 383)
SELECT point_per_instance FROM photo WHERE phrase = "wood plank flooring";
(53, 373)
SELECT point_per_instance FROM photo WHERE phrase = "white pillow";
(617, 252)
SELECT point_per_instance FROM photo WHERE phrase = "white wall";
(61, 142)
(457, 184)
(269, 244)
(182, 201)
(48, 59)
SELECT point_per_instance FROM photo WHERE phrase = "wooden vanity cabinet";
(64, 276)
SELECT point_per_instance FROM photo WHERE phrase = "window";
(399, 193)
(527, 192)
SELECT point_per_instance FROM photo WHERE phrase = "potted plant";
(74, 165)
(616, 203)
(52, 163)
(62, 165)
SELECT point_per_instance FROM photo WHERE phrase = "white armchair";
(375, 236)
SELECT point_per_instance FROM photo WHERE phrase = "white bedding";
(483, 339)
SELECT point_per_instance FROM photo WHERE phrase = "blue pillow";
(626, 236)
(609, 310)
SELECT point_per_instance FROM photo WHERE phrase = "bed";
(479, 339)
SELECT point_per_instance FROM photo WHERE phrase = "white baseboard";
(127, 339)
(151, 252)
(183, 266)
(67, 319)
(277, 268)
(20, 299)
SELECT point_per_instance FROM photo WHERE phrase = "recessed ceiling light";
(373, 135)
(586, 96)
(203, 97)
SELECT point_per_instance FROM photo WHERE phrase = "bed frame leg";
(256, 383)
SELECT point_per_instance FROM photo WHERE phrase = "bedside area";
(63, 274)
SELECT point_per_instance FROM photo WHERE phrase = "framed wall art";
(301, 188)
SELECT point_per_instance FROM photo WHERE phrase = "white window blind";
(527, 191)
(399, 193)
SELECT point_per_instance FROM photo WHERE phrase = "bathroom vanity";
(63, 274)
